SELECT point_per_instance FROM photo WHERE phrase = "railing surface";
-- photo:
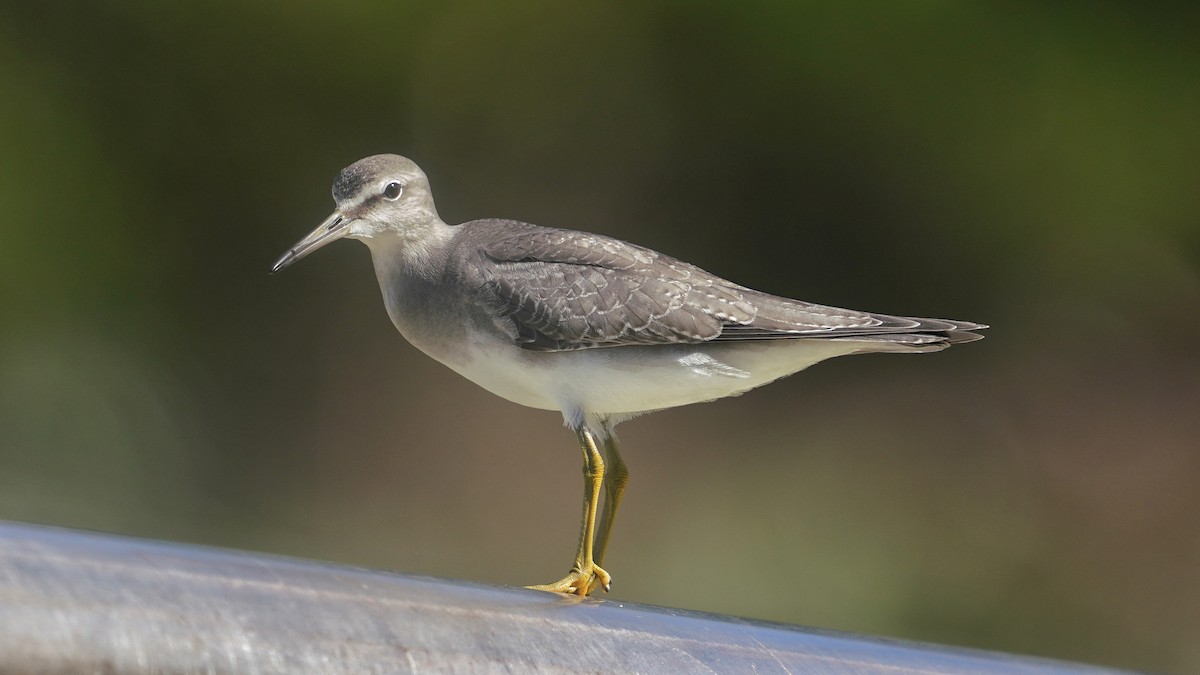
(83, 602)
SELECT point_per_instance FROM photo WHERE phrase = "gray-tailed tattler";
(591, 326)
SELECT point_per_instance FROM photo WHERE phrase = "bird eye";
(392, 191)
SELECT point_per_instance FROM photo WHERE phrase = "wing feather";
(558, 290)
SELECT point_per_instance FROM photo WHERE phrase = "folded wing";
(561, 290)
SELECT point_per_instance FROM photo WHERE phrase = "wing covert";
(573, 290)
(556, 290)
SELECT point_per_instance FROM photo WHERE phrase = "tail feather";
(925, 341)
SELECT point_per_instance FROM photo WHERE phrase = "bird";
(593, 327)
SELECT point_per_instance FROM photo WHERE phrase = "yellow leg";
(614, 487)
(585, 574)
(615, 479)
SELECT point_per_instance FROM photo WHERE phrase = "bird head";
(377, 197)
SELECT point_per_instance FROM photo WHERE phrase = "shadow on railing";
(83, 602)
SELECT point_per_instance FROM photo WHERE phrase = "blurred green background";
(1035, 168)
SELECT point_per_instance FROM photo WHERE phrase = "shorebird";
(594, 327)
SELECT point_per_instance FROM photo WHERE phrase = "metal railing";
(83, 602)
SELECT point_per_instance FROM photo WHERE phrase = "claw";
(579, 582)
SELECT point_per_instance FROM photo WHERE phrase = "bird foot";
(579, 582)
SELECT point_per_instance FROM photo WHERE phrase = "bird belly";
(635, 379)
